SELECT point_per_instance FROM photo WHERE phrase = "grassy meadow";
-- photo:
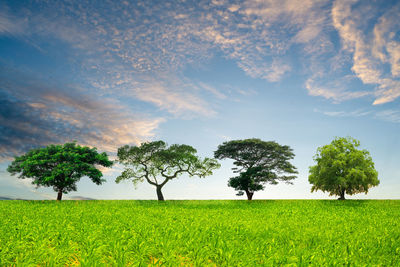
(200, 233)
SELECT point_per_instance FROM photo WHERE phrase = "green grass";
(200, 233)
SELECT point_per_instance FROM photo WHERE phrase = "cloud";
(174, 102)
(212, 90)
(385, 46)
(303, 20)
(389, 115)
(143, 37)
(34, 113)
(139, 49)
(176, 95)
(353, 114)
(336, 89)
(9, 24)
(179, 101)
(255, 34)
(115, 53)
(272, 72)
(370, 54)
(234, 8)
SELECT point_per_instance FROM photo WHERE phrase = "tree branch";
(146, 175)
(169, 177)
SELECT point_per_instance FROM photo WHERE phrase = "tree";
(258, 163)
(343, 168)
(60, 166)
(154, 160)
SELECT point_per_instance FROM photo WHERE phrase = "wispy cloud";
(53, 114)
(353, 114)
(121, 44)
(146, 38)
(177, 101)
(336, 89)
(176, 95)
(116, 53)
(370, 53)
(212, 90)
(9, 24)
(255, 33)
(389, 115)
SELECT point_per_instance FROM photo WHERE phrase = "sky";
(111, 73)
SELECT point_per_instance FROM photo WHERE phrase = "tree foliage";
(157, 163)
(342, 169)
(60, 166)
(258, 163)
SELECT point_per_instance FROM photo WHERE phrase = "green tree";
(258, 163)
(60, 166)
(342, 169)
(157, 163)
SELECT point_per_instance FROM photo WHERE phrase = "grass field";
(200, 233)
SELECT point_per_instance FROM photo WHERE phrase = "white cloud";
(234, 8)
(165, 38)
(174, 101)
(36, 113)
(138, 40)
(336, 89)
(177, 95)
(368, 55)
(385, 47)
(255, 33)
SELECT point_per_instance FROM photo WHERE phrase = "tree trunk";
(159, 193)
(59, 195)
(249, 195)
(341, 195)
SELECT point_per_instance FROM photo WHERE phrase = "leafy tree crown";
(60, 166)
(257, 162)
(343, 167)
(157, 163)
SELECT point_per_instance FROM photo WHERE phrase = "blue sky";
(199, 73)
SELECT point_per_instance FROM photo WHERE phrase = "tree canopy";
(60, 166)
(157, 163)
(258, 163)
(342, 169)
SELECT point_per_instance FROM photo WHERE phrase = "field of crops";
(200, 233)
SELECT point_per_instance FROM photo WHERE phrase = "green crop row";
(200, 233)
